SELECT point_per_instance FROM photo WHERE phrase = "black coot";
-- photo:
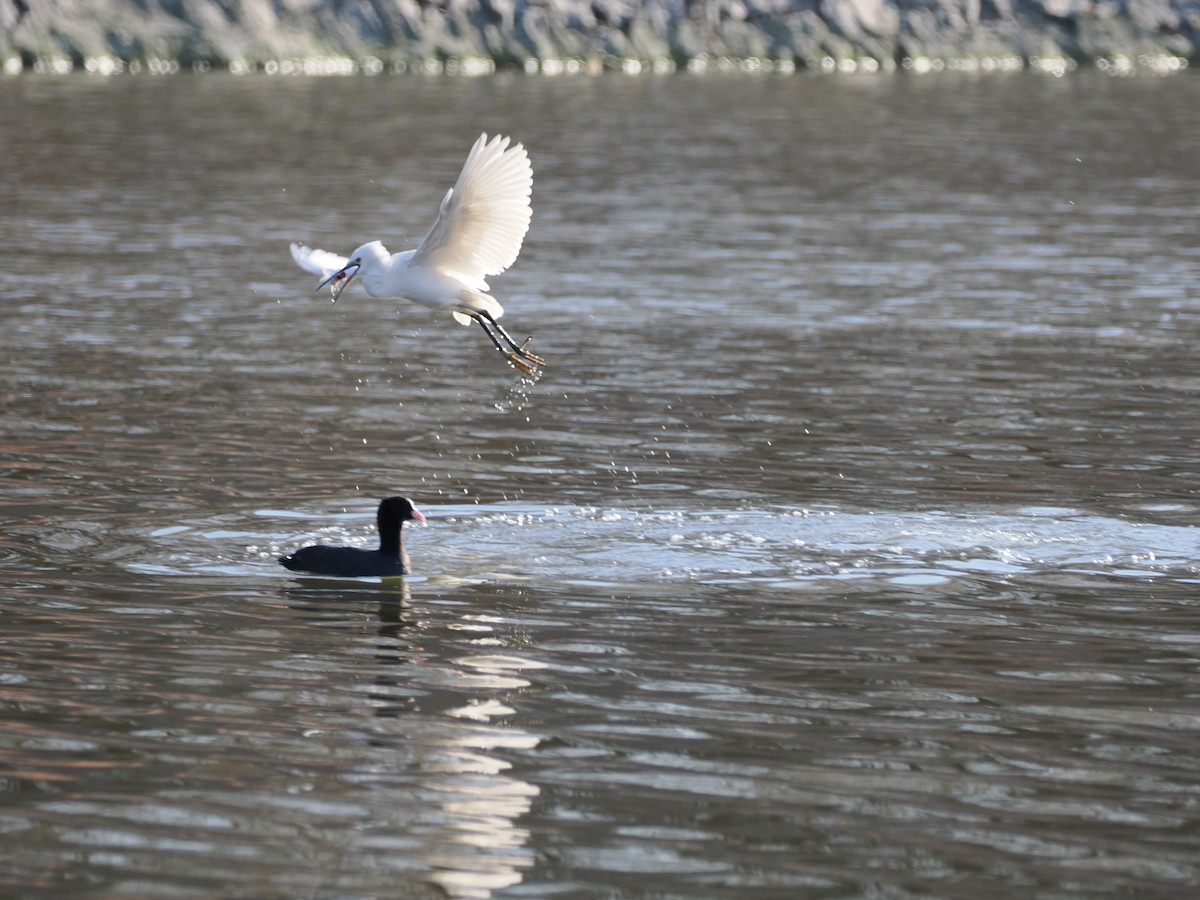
(351, 562)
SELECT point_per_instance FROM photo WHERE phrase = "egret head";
(361, 261)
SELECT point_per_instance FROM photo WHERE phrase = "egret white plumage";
(479, 230)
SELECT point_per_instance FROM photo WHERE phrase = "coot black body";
(351, 562)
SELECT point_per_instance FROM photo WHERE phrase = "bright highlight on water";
(479, 230)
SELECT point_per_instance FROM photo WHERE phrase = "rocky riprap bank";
(591, 35)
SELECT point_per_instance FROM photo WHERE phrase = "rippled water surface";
(846, 546)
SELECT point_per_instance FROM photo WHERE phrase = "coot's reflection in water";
(450, 806)
(848, 546)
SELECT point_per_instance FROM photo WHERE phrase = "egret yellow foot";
(532, 357)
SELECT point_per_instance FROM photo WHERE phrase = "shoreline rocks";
(335, 36)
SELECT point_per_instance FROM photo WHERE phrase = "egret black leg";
(508, 339)
(488, 331)
(515, 353)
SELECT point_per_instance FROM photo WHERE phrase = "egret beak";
(340, 280)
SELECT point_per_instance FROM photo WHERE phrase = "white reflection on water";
(483, 849)
(481, 804)
(477, 847)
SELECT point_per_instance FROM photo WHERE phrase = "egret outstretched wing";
(319, 262)
(484, 217)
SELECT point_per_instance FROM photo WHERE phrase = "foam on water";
(773, 547)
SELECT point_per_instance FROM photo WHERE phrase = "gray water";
(845, 547)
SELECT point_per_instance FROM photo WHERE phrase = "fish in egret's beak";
(340, 280)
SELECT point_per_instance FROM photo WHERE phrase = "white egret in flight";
(478, 232)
